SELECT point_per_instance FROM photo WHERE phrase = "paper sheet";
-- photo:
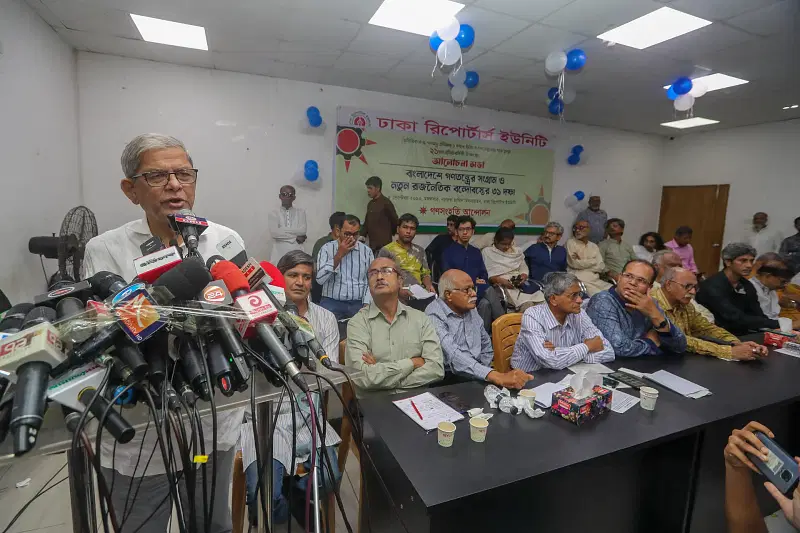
(621, 401)
(544, 392)
(593, 367)
(420, 293)
(677, 384)
(432, 409)
(788, 352)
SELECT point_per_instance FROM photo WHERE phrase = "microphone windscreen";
(273, 272)
(39, 314)
(186, 280)
(15, 316)
(103, 281)
(231, 276)
(46, 246)
(214, 259)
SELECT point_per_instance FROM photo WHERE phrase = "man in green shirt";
(394, 346)
(616, 252)
(335, 222)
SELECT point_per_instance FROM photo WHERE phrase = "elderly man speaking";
(161, 178)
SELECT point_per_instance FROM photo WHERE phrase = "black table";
(637, 471)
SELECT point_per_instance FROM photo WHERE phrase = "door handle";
(715, 245)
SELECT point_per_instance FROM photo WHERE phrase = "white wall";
(242, 131)
(759, 162)
(38, 143)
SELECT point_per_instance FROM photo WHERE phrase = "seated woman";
(585, 260)
(649, 243)
(507, 270)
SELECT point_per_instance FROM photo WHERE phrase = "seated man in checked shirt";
(466, 345)
(559, 333)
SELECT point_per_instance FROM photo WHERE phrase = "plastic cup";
(648, 397)
(446, 432)
(529, 395)
(477, 429)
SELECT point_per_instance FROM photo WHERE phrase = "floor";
(51, 512)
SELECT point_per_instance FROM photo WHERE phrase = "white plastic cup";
(477, 429)
(529, 395)
(446, 432)
(648, 397)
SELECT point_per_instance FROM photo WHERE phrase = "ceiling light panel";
(172, 33)
(661, 25)
(689, 123)
(422, 17)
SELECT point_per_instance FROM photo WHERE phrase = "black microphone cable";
(210, 507)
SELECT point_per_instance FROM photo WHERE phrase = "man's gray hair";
(659, 256)
(671, 273)
(132, 154)
(293, 258)
(446, 283)
(553, 224)
(556, 283)
(737, 249)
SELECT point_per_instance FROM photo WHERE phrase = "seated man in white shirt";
(771, 273)
(560, 333)
(160, 177)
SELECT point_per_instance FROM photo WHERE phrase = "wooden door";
(702, 208)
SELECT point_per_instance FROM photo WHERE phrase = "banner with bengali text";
(435, 168)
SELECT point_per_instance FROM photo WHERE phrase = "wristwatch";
(663, 324)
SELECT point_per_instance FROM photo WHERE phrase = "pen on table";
(415, 409)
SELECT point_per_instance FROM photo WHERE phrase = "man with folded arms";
(465, 343)
(395, 346)
(630, 319)
(678, 288)
(560, 333)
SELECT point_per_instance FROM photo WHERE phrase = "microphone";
(230, 249)
(150, 267)
(77, 388)
(260, 313)
(13, 319)
(153, 244)
(105, 284)
(214, 296)
(219, 366)
(130, 355)
(190, 227)
(31, 353)
(191, 366)
(306, 333)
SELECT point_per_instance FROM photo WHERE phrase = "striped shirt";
(539, 325)
(466, 346)
(348, 281)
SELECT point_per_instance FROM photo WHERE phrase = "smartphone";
(780, 468)
(454, 401)
(628, 379)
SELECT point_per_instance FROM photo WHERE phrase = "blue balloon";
(472, 79)
(577, 149)
(682, 85)
(576, 59)
(556, 107)
(311, 170)
(579, 194)
(434, 41)
(466, 36)
(312, 111)
(573, 160)
(552, 93)
(315, 121)
(671, 93)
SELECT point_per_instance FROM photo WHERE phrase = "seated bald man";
(466, 345)
(395, 346)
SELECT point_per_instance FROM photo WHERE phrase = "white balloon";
(459, 93)
(449, 31)
(684, 102)
(458, 77)
(569, 96)
(449, 53)
(571, 201)
(555, 62)
(699, 88)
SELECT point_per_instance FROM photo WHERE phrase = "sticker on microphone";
(137, 314)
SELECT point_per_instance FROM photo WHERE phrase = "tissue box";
(580, 411)
(777, 340)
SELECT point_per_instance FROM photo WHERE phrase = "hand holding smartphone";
(780, 468)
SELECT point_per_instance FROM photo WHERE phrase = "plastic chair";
(505, 331)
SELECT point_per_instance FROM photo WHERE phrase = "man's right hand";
(744, 441)
(743, 352)
(346, 245)
(653, 336)
(515, 379)
(595, 344)
(418, 362)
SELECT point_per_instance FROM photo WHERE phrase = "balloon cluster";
(684, 91)
(575, 157)
(314, 117)
(448, 43)
(554, 66)
(574, 199)
(311, 170)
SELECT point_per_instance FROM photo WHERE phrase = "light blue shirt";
(348, 281)
(465, 344)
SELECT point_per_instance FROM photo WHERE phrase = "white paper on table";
(677, 384)
(621, 402)
(544, 392)
(790, 353)
(420, 293)
(593, 367)
(432, 409)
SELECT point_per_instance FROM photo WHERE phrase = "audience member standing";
(287, 225)
(616, 252)
(487, 239)
(463, 256)
(546, 255)
(681, 245)
(790, 247)
(335, 223)
(410, 259)
(762, 236)
(585, 260)
(596, 218)
(342, 271)
(649, 243)
(380, 222)
(438, 245)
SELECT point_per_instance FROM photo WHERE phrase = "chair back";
(505, 331)
(342, 345)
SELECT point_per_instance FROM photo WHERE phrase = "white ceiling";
(331, 42)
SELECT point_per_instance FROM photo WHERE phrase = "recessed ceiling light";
(714, 82)
(173, 33)
(795, 106)
(422, 17)
(689, 123)
(656, 27)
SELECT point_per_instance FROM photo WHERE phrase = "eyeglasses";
(466, 290)
(551, 234)
(350, 233)
(635, 279)
(466, 229)
(575, 296)
(689, 287)
(581, 227)
(383, 270)
(287, 195)
(159, 178)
